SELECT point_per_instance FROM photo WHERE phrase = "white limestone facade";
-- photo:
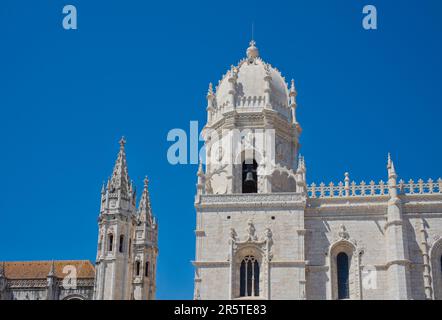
(262, 232)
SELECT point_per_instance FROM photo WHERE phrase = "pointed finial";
(52, 270)
(252, 51)
(210, 91)
(292, 86)
(122, 142)
(390, 167)
(390, 164)
(144, 209)
(200, 168)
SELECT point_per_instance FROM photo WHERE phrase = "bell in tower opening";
(249, 177)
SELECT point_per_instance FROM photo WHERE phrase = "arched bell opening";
(249, 176)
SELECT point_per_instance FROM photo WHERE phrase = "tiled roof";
(40, 269)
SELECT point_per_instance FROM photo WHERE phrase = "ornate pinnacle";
(144, 208)
(200, 168)
(52, 270)
(390, 167)
(252, 50)
(210, 97)
(120, 178)
(299, 163)
(292, 88)
(122, 142)
(210, 91)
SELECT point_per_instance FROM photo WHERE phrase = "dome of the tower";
(252, 78)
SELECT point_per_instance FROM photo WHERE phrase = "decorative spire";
(298, 169)
(120, 178)
(52, 270)
(292, 101)
(392, 176)
(201, 179)
(210, 91)
(293, 92)
(252, 51)
(144, 209)
(210, 102)
(200, 168)
(390, 167)
(301, 164)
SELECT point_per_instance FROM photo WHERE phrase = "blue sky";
(141, 68)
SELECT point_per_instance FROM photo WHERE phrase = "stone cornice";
(208, 264)
(253, 200)
(294, 263)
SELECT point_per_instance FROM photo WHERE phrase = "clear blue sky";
(141, 68)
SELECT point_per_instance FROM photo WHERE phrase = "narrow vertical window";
(146, 270)
(242, 279)
(256, 278)
(249, 277)
(343, 276)
(137, 268)
(130, 245)
(121, 247)
(111, 242)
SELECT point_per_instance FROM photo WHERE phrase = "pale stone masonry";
(126, 261)
(127, 239)
(263, 233)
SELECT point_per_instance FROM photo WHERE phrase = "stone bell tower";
(127, 239)
(251, 196)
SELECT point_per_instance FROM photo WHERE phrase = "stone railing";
(372, 189)
(420, 187)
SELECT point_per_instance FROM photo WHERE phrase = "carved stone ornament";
(251, 231)
(343, 234)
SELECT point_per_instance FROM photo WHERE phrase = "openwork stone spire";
(120, 177)
(144, 208)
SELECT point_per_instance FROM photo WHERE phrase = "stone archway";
(75, 297)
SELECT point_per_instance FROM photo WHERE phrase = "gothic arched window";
(249, 277)
(137, 268)
(146, 271)
(249, 177)
(343, 275)
(121, 247)
(111, 242)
